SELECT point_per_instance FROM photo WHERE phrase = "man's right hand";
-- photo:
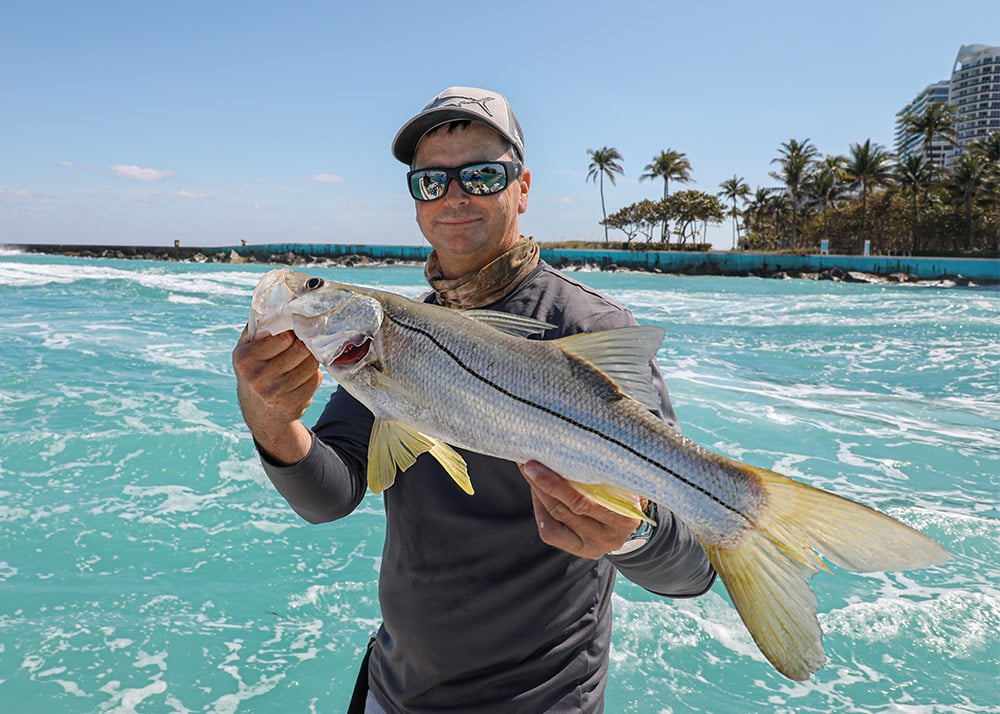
(276, 378)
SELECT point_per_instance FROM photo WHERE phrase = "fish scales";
(507, 392)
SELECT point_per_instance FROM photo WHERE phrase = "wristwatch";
(641, 535)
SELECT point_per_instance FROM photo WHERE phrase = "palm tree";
(938, 120)
(796, 160)
(668, 165)
(767, 213)
(777, 209)
(989, 150)
(914, 175)
(826, 186)
(732, 189)
(756, 211)
(868, 167)
(968, 181)
(604, 162)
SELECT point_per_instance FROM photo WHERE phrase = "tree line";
(902, 205)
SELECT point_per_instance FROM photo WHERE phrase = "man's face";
(468, 231)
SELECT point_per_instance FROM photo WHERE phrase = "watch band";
(641, 535)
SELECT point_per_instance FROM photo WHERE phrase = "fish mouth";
(353, 351)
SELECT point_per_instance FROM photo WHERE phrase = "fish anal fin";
(623, 355)
(453, 464)
(394, 447)
(613, 498)
(766, 570)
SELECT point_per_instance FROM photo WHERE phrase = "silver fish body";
(435, 377)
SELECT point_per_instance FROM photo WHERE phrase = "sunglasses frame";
(511, 171)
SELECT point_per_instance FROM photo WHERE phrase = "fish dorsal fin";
(623, 354)
(394, 447)
(517, 325)
(613, 498)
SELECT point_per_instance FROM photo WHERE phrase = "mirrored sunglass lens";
(428, 185)
(483, 179)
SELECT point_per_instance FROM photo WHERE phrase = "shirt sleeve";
(672, 563)
(331, 480)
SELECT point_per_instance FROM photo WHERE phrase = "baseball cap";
(457, 103)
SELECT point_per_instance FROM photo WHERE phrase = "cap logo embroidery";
(462, 101)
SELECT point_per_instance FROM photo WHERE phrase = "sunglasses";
(479, 179)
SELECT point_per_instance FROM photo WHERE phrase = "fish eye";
(314, 283)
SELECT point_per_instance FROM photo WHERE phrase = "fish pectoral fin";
(393, 448)
(766, 570)
(614, 499)
(517, 325)
(623, 355)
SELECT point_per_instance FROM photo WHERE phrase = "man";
(498, 602)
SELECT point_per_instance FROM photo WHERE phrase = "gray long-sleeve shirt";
(479, 614)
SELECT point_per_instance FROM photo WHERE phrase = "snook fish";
(435, 378)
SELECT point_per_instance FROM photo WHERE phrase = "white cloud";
(194, 195)
(140, 174)
(16, 192)
(69, 165)
(324, 178)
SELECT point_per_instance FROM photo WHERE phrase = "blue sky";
(141, 123)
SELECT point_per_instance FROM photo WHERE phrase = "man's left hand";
(571, 520)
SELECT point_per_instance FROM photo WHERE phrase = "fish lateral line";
(572, 422)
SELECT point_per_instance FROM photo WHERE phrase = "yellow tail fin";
(766, 571)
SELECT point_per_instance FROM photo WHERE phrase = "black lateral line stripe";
(638, 454)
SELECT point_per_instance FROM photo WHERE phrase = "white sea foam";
(270, 527)
(678, 624)
(8, 513)
(7, 571)
(180, 285)
(175, 499)
(127, 700)
(158, 660)
(941, 624)
(181, 355)
(70, 687)
(188, 300)
(234, 702)
(243, 470)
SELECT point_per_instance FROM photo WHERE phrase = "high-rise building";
(973, 92)
(908, 144)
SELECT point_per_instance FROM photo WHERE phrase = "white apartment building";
(973, 91)
(911, 144)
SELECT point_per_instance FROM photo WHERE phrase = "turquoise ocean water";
(147, 565)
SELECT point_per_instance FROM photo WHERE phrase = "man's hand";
(571, 520)
(276, 378)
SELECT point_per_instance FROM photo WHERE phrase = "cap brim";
(404, 146)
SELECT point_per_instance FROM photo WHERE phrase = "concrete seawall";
(699, 263)
(724, 263)
(980, 270)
